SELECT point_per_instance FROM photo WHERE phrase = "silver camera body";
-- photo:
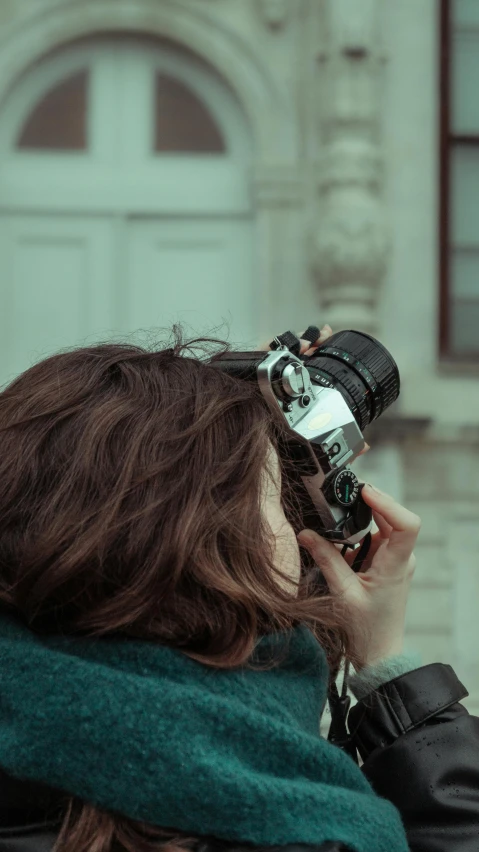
(330, 439)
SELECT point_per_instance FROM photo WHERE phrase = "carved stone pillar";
(351, 239)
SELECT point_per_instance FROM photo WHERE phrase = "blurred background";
(248, 166)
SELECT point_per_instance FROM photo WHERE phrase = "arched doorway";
(124, 199)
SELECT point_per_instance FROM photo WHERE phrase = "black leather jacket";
(420, 749)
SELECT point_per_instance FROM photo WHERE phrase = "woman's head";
(140, 494)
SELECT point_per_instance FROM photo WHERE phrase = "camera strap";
(339, 703)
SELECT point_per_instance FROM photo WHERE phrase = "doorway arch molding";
(197, 28)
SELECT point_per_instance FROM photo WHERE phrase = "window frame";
(448, 141)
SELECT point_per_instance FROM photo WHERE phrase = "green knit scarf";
(142, 730)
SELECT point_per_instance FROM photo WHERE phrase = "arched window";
(59, 121)
(182, 121)
(130, 123)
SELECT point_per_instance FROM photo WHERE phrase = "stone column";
(351, 239)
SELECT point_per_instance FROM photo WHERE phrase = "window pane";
(59, 121)
(465, 74)
(465, 12)
(465, 274)
(465, 195)
(465, 327)
(183, 123)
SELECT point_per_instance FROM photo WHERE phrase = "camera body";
(324, 438)
(325, 401)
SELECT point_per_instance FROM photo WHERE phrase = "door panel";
(56, 287)
(193, 271)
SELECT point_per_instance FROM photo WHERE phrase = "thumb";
(335, 569)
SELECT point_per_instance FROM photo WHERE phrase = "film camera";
(326, 401)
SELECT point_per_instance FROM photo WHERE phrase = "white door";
(124, 201)
(57, 286)
(196, 272)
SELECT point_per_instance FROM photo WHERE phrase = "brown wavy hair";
(130, 498)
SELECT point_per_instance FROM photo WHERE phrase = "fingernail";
(377, 490)
(365, 450)
(326, 328)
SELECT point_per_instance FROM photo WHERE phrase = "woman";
(165, 660)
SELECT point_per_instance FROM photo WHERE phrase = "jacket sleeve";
(420, 749)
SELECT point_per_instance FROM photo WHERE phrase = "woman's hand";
(308, 348)
(375, 597)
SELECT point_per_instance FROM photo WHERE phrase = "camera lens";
(361, 369)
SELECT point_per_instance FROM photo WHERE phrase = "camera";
(325, 401)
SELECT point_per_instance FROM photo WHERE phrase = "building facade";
(266, 163)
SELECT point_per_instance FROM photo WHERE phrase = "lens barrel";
(361, 369)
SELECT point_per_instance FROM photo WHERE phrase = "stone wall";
(442, 486)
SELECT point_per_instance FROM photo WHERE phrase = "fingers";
(405, 525)
(376, 541)
(384, 528)
(308, 348)
(365, 449)
(337, 572)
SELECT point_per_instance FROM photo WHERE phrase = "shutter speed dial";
(344, 488)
